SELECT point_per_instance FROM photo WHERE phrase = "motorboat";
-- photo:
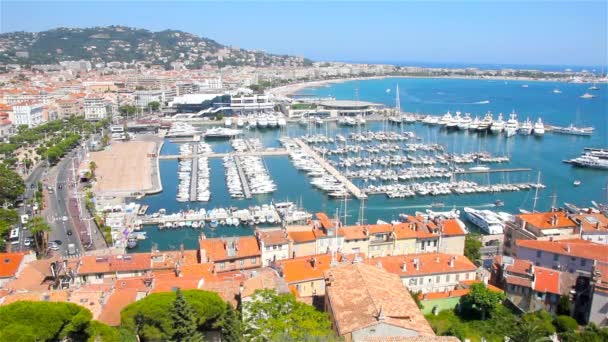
(453, 122)
(228, 122)
(240, 122)
(445, 119)
(220, 133)
(587, 96)
(486, 123)
(464, 122)
(526, 127)
(573, 130)
(474, 125)
(512, 125)
(498, 125)
(539, 128)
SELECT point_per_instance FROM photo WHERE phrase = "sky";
(492, 32)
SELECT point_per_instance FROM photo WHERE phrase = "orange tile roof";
(301, 236)
(118, 300)
(324, 220)
(353, 233)
(543, 220)
(265, 278)
(9, 264)
(575, 247)
(546, 280)
(592, 222)
(115, 263)
(361, 296)
(301, 269)
(519, 266)
(273, 237)
(444, 294)
(429, 263)
(451, 228)
(404, 231)
(216, 248)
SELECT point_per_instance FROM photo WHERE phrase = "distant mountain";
(126, 44)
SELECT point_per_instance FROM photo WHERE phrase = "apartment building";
(95, 108)
(274, 245)
(231, 254)
(28, 113)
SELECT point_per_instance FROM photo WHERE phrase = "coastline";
(290, 89)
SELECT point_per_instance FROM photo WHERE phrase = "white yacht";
(526, 127)
(464, 121)
(361, 120)
(539, 127)
(557, 91)
(447, 117)
(453, 122)
(240, 122)
(512, 125)
(486, 220)
(272, 121)
(281, 121)
(262, 121)
(252, 122)
(486, 123)
(180, 129)
(498, 125)
(228, 122)
(587, 96)
(474, 125)
(220, 132)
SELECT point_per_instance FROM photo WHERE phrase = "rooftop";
(9, 264)
(548, 220)
(427, 263)
(575, 247)
(218, 249)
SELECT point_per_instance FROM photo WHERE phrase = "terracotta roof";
(118, 300)
(273, 237)
(428, 263)
(452, 228)
(115, 263)
(265, 278)
(353, 233)
(592, 222)
(405, 231)
(324, 220)
(301, 236)
(445, 294)
(218, 249)
(546, 280)
(304, 268)
(9, 264)
(576, 248)
(361, 295)
(518, 266)
(515, 280)
(544, 220)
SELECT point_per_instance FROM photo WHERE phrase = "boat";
(213, 223)
(479, 168)
(361, 120)
(512, 125)
(587, 96)
(486, 123)
(557, 91)
(524, 86)
(539, 128)
(474, 125)
(272, 121)
(447, 117)
(589, 161)
(453, 122)
(498, 125)
(240, 122)
(228, 122)
(486, 220)
(573, 130)
(576, 182)
(303, 121)
(594, 87)
(220, 132)
(464, 122)
(281, 121)
(318, 121)
(526, 127)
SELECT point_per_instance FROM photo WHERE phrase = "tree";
(482, 299)
(151, 318)
(92, 166)
(563, 306)
(564, 323)
(184, 321)
(154, 106)
(11, 185)
(8, 218)
(527, 331)
(39, 229)
(472, 246)
(231, 325)
(48, 321)
(270, 316)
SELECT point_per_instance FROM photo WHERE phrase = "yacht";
(240, 122)
(526, 127)
(453, 122)
(319, 121)
(557, 91)
(486, 220)
(486, 123)
(180, 129)
(512, 125)
(590, 161)
(539, 128)
(252, 122)
(587, 96)
(281, 121)
(447, 117)
(594, 87)
(228, 122)
(262, 121)
(361, 120)
(465, 122)
(303, 121)
(498, 125)
(220, 132)
(474, 125)
(573, 130)
(272, 121)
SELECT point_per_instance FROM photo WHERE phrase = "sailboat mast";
(536, 192)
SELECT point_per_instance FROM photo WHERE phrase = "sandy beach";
(126, 167)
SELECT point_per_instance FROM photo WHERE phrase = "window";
(99, 276)
(438, 280)
(430, 280)
(241, 262)
(539, 254)
(555, 257)
(222, 265)
(435, 243)
(267, 248)
(413, 281)
(458, 277)
(448, 278)
(253, 260)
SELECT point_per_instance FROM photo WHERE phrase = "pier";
(244, 181)
(268, 152)
(492, 171)
(194, 175)
(352, 188)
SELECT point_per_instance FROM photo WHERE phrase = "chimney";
(313, 262)
(452, 262)
(567, 248)
(437, 259)
(379, 264)
(404, 266)
(597, 225)
(417, 264)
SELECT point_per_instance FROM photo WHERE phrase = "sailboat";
(594, 87)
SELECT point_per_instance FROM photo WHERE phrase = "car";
(64, 219)
(53, 246)
(32, 186)
(28, 242)
(69, 232)
(59, 186)
(57, 242)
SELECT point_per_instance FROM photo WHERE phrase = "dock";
(492, 171)
(352, 188)
(244, 181)
(268, 152)
(194, 175)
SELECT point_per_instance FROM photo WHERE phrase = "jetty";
(520, 169)
(352, 188)
(194, 174)
(267, 152)
(244, 181)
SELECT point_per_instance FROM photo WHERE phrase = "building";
(247, 104)
(95, 108)
(572, 256)
(366, 302)
(530, 288)
(339, 108)
(274, 245)
(592, 227)
(10, 264)
(304, 275)
(231, 254)
(28, 113)
(6, 129)
(598, 310)
(428, 272)
(69, 108)
(538, 226)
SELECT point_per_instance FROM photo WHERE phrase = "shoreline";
(291, 89)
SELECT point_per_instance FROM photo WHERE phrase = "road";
(31, 186)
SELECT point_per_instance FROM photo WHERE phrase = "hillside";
(126, 44)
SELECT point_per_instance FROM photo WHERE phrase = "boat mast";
(536, 192)
(362, 212)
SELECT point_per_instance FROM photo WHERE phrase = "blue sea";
(428, 96)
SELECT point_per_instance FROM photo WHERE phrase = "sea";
(543, 155)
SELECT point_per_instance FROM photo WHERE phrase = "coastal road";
(31, 186)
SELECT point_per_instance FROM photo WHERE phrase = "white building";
(251, 103)
(29, 114)
(95, 108)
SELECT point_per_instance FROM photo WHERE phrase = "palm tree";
(39, 229)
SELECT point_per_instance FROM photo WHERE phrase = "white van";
(24, 219)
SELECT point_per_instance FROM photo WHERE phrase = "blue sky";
(519, 32)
